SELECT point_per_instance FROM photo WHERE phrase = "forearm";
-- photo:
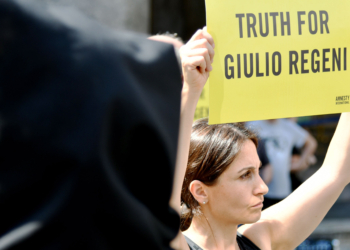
(189, 101)
(295, 218)
(339, 150)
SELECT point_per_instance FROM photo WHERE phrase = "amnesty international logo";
(339, 100)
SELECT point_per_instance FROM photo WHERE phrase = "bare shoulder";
(258, 233)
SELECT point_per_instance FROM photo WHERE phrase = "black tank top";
(243, 242)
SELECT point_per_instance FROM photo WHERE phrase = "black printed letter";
(313, 32)
(266, 25)
(300, 21)
(313, 62)
(336, 59)
(246, 66)
(303, 61)
(274, 14)
(228, 75)
(239, 65)
(283, 23)
(240, 16)
(293, 62)
(267, 63)
(325, 59)
(274, 71)
(324, 22)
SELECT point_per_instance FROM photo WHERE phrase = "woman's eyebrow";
(247, 168)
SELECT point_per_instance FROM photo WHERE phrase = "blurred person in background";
(281, 136)
(266, 170)
(296, 153)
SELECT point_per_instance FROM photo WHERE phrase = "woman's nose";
(261, 188)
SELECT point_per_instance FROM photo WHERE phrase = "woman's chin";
(253, 218)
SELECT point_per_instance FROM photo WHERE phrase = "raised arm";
(291, 221)
(197, 57)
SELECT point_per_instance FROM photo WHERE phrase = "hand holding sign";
(197, 56)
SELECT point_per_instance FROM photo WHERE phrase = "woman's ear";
(198, 190)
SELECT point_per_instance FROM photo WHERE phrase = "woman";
(222, 187)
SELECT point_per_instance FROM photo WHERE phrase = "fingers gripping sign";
(197, 56)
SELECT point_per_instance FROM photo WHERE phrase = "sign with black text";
(277, 59)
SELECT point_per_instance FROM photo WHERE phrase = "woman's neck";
(210, 234)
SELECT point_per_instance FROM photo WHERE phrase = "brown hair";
(212, 149)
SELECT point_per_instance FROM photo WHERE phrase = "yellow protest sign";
(276, 59)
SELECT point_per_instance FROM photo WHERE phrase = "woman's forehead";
(247, 157)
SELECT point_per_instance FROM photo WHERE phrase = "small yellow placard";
(276, 59)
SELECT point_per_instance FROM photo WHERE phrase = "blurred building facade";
(183, 17)
(132, 15)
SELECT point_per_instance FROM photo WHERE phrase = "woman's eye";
(246, 175)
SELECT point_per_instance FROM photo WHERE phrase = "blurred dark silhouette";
(89, 127)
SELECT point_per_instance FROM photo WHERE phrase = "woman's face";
(238, 193)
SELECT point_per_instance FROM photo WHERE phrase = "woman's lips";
(260, 204)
